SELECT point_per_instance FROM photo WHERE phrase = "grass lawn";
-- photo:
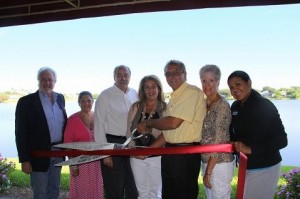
(19, 179)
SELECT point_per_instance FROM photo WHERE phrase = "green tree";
(271, 90)
(293, 93)
(95, 95)
(3, 97)
(226, 93)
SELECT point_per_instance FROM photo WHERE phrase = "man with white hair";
(39, 124)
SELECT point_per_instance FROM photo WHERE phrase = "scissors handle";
(132, 137)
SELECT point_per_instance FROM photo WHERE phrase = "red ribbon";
(241, 176)
(140, 151)
(161, 151)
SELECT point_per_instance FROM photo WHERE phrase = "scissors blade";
(81, 160)
(86, 158)
(132, 137)
(85, 146)
(91, 146)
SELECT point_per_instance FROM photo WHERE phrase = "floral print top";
(216, 130)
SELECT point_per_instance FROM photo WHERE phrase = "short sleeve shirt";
(188, 104)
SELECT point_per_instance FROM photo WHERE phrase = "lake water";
(289, 111)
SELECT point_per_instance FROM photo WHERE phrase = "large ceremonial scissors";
(92, 146)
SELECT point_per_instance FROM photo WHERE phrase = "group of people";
(191, 117)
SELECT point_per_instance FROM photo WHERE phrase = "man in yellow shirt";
(181, 126)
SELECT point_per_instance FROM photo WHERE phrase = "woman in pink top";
(85, 179)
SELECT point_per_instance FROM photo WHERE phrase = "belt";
(55, 143)
(116, 136)
(181, 144)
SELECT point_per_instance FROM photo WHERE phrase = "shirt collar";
(119, 90)
(179, 90)
(44, 95)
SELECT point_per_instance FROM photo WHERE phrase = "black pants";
(118, 180)
(180, 176)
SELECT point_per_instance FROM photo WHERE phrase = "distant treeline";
(268, 92)
(271, 93)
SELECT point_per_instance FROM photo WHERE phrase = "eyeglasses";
(173, 74)
(45, 80)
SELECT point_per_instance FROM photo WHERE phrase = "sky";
(263, 41)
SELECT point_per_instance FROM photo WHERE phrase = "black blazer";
(32, 131)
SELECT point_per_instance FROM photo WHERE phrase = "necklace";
(151, 114)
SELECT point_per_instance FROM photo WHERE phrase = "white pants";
(262, 183)
(147, 177)
(221, 177)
